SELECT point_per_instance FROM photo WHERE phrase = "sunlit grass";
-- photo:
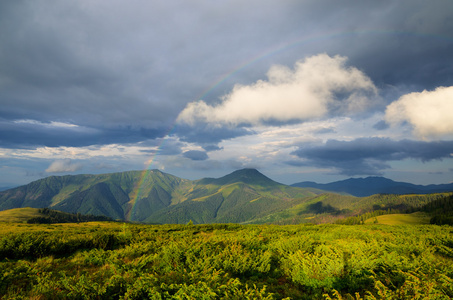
(109, 260)
(401, 219)
(19, 214)
(14, 227)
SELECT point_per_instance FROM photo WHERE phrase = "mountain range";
(362, 187)
(157, 197)
(244, 196)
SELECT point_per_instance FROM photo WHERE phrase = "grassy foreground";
(106, 260)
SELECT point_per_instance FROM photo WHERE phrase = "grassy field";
(19, 214)
(22, 228)
(401, 219)
(112, 260)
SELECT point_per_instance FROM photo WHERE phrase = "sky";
(300, 90)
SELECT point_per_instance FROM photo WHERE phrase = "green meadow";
(19, 214)
(401, 219)
(110, 260)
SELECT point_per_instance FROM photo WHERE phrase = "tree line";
(53, 216)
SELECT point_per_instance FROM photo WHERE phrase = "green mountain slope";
(237, 197)
(244, 196)
(106, 194)
(100, 199)
(331, 207)
(155, 196)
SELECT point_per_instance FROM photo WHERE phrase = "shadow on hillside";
(321, 208)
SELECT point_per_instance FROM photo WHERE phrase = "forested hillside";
(244, 196)
(159, 197)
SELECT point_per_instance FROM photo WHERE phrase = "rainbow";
(135, 194)
(137, 191)
(308, 40)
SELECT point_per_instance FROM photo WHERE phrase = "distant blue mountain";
(4, 188)
(362, 187)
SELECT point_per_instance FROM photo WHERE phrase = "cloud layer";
(428, 112)
(370, 156)
(195, 155)
(63, 166)
(103, 83)
(317, 86)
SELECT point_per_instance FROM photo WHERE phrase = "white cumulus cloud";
(429, 112)
(63, 165)
(317, 86)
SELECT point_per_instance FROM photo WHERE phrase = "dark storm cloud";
(369, 156)
(30, 134)
(97, 65)
(195, 155)
(403, 43)
(108, 66)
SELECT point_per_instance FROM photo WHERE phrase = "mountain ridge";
(156, 196)
(363, 187)
(243, 196)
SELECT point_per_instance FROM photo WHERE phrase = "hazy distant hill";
(362, 187)
(4, 188)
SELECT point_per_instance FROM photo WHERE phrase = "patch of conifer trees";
(53, 216)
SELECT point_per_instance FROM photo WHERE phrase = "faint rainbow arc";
(136, 192)
(306, 40)
(269, 52)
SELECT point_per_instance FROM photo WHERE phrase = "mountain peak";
(247, 172)
(247, 175)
